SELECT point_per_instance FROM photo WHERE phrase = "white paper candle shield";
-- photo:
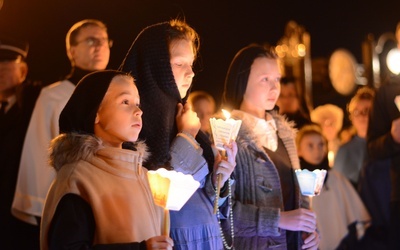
(171, 189)
(224, 130)
(310, 182)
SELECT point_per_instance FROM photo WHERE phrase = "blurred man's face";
(92, 51)
(12, 74)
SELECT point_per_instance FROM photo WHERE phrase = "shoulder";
(57, 91)
(72, 147)
(29, 92)
(59, 87)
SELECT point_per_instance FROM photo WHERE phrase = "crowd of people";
(76, 152)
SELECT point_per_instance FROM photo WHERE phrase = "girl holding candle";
(338, 207)
(268, 210)
(100, 198)
(161, 60)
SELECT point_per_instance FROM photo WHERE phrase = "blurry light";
(331, 158)
(301, 50)
(393, 61)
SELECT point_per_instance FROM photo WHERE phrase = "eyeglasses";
(95, 42)
(357, 113)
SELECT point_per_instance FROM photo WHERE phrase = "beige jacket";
(112, 181)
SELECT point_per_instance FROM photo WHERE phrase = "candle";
(223, 132)
(331, 158)
(171, 190)
(310, 182)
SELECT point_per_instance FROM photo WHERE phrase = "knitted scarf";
(148, 60)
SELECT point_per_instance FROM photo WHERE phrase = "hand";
(160, 242)
(225, 166)
(395, 131)
(311, 240)
(298, 220)
(187, 120)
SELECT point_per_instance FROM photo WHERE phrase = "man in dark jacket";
(17, 99)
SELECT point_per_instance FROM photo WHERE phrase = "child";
(204, 105)
(338, 205)
(101, 197)
(161, 59)
(268, 209)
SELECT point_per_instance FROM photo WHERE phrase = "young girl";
(338, 206)
(269, 211)
(100, 198)
(203, 104)
(161, 60)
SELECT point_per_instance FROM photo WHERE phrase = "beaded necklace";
(230, 216)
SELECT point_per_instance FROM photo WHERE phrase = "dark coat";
(13, 126)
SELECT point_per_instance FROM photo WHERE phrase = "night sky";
(224, 28)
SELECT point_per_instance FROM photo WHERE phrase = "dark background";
(224, 28)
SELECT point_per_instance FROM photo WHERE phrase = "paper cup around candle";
(306, 181)
(171, 189)
(310, 182)
(223, 131)
(320, 181)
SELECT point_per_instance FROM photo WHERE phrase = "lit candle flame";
(226, 113)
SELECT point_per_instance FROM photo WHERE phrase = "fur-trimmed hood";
(72, 147)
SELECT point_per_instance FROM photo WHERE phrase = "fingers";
(160, 242)
(179, 109)
(187, 120)
(187, 107)
(298, 220)
(225, 168)
(311, 241)
(226, 165)
(309, 220)
(231, 151)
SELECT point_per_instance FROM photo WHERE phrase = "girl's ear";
(97, 119)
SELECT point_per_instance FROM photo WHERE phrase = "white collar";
(265, 131)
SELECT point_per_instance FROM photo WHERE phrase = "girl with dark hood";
(101, 198)
(161, 60)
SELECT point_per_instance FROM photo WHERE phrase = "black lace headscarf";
(148, 60)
